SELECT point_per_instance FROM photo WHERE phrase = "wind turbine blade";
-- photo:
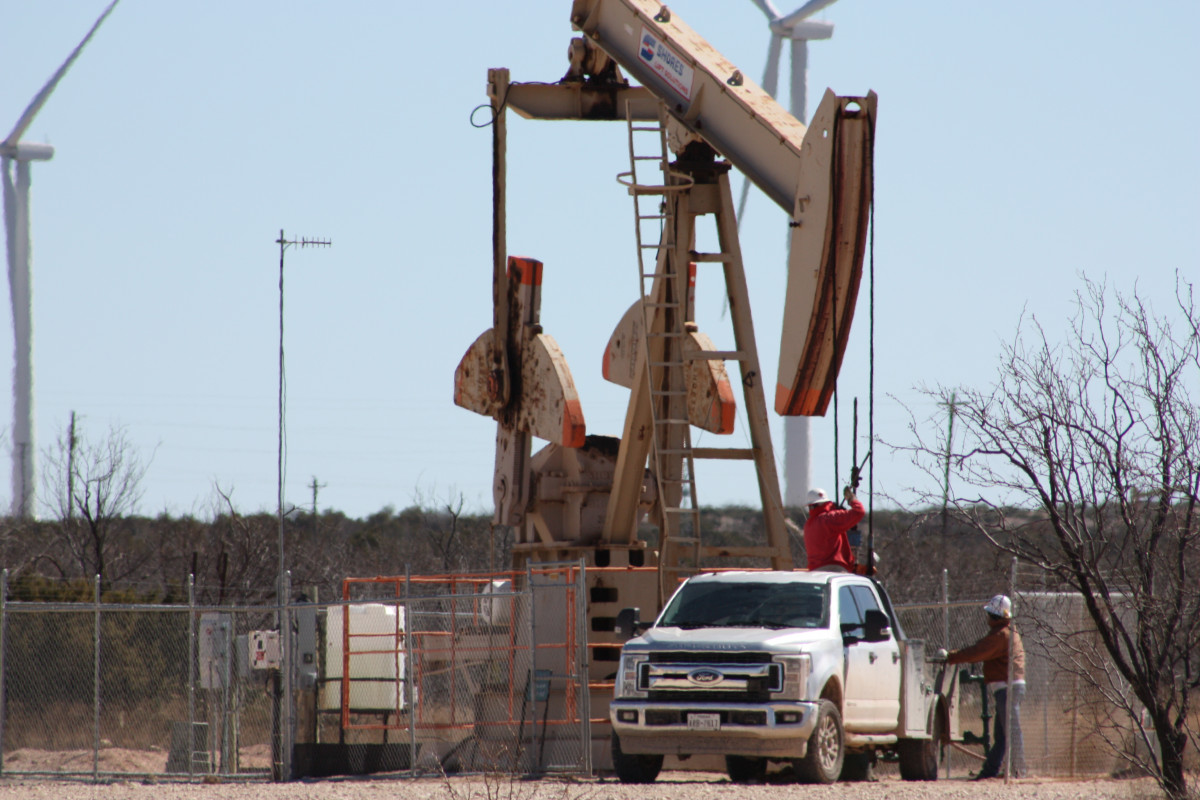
(768, 9)
(770, 83)
(805, 11)
(40, 99)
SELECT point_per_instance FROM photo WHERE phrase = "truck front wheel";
(826, 751)
(634, 768)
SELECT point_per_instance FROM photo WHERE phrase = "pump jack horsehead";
(582, 496)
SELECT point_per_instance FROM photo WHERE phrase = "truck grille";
(700, 676)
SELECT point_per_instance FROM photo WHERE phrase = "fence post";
(584, 660)
(1076, 628)
(191, 687)
(409, 673)
(531, 680)
(1008, 694)
(96, 687)
(3, 642)
(946, 644)
(285, 667)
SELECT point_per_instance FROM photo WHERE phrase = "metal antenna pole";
(284, 243)
(281, 587)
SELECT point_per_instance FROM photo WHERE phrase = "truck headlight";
(627, 676)
(795, 676)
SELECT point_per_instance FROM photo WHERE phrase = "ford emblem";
(705, 677)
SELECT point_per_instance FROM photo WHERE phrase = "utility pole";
(71, 469)
(315, 486)
(953, 407)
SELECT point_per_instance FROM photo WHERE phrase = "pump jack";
(583, 496)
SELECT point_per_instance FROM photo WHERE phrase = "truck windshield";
(748, 605)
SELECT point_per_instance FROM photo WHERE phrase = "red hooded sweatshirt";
(825, 539)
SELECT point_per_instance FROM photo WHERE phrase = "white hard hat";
(817, 496)
(999, 606)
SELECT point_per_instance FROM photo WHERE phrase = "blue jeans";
(995, 756)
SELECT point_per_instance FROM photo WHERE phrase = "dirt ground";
(672, 786)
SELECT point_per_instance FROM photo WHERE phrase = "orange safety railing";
(470, 639)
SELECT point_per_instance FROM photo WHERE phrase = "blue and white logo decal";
(705, 677)
(668, 65)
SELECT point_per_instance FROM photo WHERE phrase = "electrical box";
(214, 648)
(264, 649)
(305, 673)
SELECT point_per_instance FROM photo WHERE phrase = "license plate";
(704, 722)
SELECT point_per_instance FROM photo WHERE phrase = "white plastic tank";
(496, 610)
(377, 657)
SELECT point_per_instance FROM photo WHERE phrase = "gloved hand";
(848, 495)
(940, 655)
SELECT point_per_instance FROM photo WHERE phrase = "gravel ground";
(673, 786)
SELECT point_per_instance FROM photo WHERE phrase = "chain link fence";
(102, 690)
(414, 675)
(420, 675)
(1068, 727)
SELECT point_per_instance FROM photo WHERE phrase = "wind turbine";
(15, 158)
(796, 27)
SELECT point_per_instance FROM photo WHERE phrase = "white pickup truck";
(808, 667)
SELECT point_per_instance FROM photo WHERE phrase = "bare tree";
(442, 528)
(1084, 460)
(237, 559)
(93, 487)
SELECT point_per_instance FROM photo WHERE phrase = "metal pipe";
(531, 683)
(3, 640)
(946, 630)
(585, 666)
(287, 719)
(1008, 694)
(96, 685)
(191, 688)
(409, 672)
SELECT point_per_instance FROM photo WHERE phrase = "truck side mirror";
(628, 623)
(876, 625)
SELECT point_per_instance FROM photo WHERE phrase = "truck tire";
(826, 747)
(858, 767)
(634, 768)
(743, 769)
(919, 757)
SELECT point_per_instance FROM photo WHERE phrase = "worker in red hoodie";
(825, 541)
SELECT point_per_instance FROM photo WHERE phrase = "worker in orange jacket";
(993, 651)
(825, 533)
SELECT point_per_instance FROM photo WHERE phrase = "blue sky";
(1018, 145)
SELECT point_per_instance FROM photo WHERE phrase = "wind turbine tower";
(15, 158)
(799, 30)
